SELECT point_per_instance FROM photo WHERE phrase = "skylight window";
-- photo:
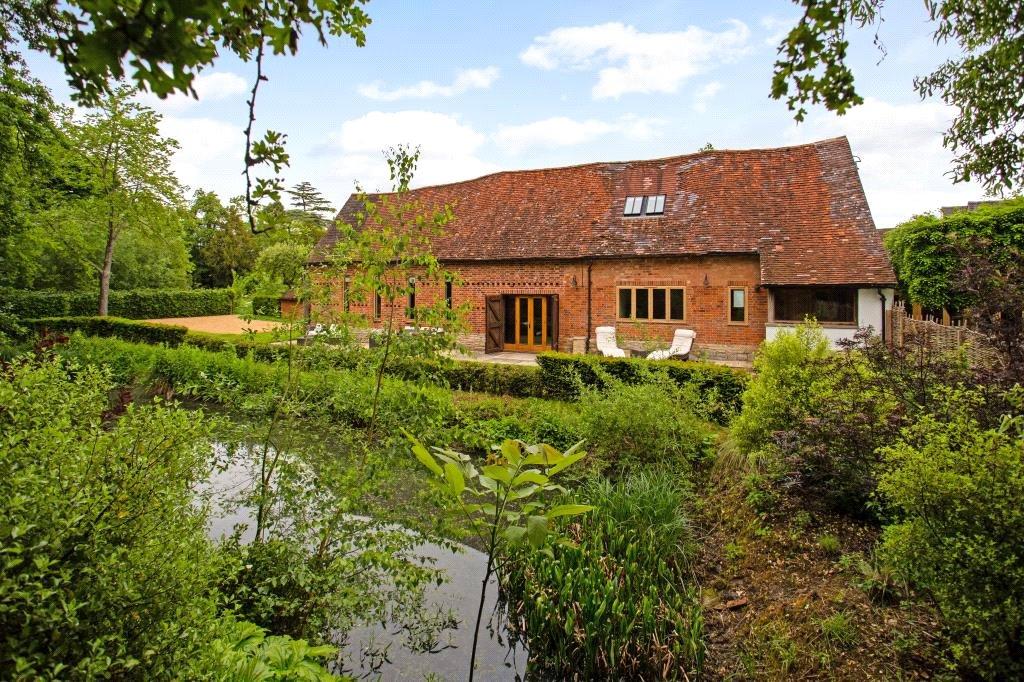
(653, 204)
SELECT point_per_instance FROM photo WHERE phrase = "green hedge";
(519, 381)
(564, 376)
(129, 330)
(266, 305)
(132, 304)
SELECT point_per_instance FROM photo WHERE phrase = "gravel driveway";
(219, 324)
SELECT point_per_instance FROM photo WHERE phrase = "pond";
(457, 597)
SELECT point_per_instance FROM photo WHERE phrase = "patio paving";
(503, 358)
(218, 324)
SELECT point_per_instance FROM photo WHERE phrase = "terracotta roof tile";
(801, 208)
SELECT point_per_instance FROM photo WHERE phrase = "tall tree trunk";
(108, 260)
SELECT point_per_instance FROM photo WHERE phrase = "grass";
(255, 337)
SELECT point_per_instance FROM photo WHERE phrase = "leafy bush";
(483, 420)
(718, 388)
(787, 375)
(107, 569)
(129, 330)
(925, 258)
(250, 385)
(132, 304)
(617, 604)
(956, 487)
(266, 306)
(640, 424)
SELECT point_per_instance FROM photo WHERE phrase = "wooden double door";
(522, 322)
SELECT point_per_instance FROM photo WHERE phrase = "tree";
(984, 83)
(221, 244)
(388, 251)
(129, 171)
(166, 44)
(308, 199)
(284, 263)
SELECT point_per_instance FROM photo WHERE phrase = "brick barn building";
(734, 245)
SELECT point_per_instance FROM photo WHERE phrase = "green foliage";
(483, 420)
(513, 489)
(521, 381)
(266, 306)
(719, 388)
(242, 652)
(616, 605)
(829, 544)
(252, 386)
(980, 84)
(787, 374)
(107, 569)
(283, 263)
(642, 424)
(925, 256)
(134, 304)
(957, 488)
(170, 44)
(129, 330)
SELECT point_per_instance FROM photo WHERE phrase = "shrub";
(250, 385)
(521, 381)
(266, 306)
(107, 569)
(718, 388)
(787, 374)
(132, 304)
(129, 330)
(956, 487)
(617, 604)
(483, 420)
(641, 424)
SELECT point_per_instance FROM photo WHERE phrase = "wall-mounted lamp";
(706, 282)
(574, 284)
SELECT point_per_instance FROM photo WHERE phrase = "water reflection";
(381, 651)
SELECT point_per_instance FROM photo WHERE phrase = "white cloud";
(465, 80)
(903, 164)
(448, 150)
(561, 131)
(778, 28)
(219, 85)
(704, 95)
(629, 60)
(210, 156)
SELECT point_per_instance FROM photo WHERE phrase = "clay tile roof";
(801, 208)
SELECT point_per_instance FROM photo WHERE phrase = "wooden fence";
(940, 336)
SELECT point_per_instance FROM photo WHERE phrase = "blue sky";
(486, 86)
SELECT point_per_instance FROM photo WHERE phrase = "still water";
(458, 597)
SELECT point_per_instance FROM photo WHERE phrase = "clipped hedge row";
(132, 304)
(266, 305)
(518, 381)
(564, 376)
(117, 327)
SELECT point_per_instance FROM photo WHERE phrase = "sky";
(488, 86)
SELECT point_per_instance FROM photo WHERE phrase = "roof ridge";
(660, 159)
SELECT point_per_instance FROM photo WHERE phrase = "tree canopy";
(983, 84)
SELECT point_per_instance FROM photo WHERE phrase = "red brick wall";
(706, 305)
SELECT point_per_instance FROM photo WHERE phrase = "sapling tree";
(508, 499)
(387, 255)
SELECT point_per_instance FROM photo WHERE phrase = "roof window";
(653, 204)
(634, 206)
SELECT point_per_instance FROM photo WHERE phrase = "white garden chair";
(682, 342)
(606, 343)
